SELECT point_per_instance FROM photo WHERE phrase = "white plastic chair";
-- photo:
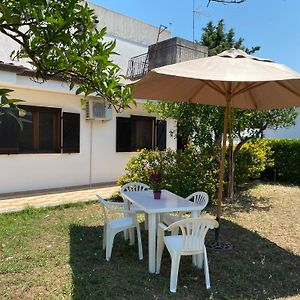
(200, 198)
(189, 242)
(112, 227)
(135, 187)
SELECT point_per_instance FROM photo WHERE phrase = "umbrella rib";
(214, 86)
(190, 99)
(236, 87)
(249, 87)
(252, 99)
(287, 88)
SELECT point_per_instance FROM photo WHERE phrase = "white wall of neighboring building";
(292, 132)
(23, 172)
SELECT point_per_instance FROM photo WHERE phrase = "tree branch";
(226, 1)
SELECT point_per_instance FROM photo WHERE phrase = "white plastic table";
(169, 202)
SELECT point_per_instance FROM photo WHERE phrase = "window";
(140, 132)
(41, 132)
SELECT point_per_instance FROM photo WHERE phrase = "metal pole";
(222, 162)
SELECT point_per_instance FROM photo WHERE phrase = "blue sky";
(272, 24)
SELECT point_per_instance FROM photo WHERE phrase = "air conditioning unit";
(98, 110)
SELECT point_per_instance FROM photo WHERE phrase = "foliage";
(9, 106)
(252, 159)
(60, 38)
(286, 156)
(185, 171)
(155, 180)
(217, 39)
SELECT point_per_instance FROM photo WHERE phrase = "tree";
(60, 39)
(202, 125)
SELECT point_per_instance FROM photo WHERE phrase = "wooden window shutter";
(161, 134)
(71, 133)
(9, 133)
(123, 140)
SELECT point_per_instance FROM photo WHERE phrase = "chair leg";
(206, 270)
(174, 272)
(146, 222)
(104, 237)
(109, 244)
(200, 260)
(159, 252)
(126, 234)
(131, 236)
(139, 238)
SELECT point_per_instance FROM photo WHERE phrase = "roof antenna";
(170, 28)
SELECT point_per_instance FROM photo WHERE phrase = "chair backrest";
(200, 198)
(134, 186)
(104, 205)
(193, 231)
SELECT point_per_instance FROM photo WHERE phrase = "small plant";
(156, 181)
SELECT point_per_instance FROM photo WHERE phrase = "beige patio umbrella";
(231, 79)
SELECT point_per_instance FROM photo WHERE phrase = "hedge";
(286, 156)
(184, 172)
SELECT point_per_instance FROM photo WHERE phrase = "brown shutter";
(71, 133)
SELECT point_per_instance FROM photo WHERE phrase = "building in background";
(62, 144)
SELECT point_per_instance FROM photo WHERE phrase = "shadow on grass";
(255, 269)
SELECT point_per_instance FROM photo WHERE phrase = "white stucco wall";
(23, 172)
(286, 133)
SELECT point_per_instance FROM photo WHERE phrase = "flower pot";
(157, 194)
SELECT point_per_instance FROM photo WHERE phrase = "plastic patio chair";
(200, 198)
(135, 187)
(189, 242)
(112, 227)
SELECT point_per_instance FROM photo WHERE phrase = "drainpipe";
(91, 153)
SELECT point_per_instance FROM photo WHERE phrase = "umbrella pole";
(222, 163)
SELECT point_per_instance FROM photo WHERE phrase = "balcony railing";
(164, 53)
(138, 66)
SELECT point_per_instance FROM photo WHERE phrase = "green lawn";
(57, 254)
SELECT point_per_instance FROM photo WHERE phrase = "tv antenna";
(197, 12)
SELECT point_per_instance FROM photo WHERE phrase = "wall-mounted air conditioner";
(98, 110)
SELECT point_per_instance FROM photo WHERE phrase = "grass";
(56, 253)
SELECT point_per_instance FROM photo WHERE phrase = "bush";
(253, 158)
(184, 172)
(286, 156)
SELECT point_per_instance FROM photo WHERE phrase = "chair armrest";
(122, 211)
(117, 204)
(162, 226)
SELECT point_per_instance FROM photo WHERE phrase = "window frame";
(35, 110)
(154, 137)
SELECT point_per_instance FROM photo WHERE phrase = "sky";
(274, 25)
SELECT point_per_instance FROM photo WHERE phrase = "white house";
(59, 146)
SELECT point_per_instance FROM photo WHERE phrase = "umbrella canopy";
(232, 79)
(251, 82)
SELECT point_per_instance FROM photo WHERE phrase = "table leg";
(195, 214)
(152, 241)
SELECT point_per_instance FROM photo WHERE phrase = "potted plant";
(155, 179)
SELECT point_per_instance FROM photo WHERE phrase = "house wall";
(97, 162)
(286, 133)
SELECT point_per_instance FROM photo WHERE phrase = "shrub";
(286, 156)
(184, 172)
(252, 159)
